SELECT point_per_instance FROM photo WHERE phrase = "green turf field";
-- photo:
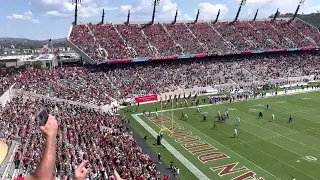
(270, 150)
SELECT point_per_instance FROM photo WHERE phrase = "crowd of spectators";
(84, 134)
(100, 85)
(160, 40)
(82, 37)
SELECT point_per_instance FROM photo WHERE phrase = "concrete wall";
(6, 97)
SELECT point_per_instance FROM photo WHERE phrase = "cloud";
(143, 9)
(28, 16)
(57, 14)
(209, 11)
(65, 8)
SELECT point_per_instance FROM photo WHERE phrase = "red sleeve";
(21, 178)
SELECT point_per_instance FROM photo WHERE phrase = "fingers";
(85, 171)
(117, 175)
(82, 165)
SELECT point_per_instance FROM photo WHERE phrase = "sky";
(44, 19)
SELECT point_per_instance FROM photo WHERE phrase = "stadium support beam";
(175, 17)
(102, 20)
(155, 4)
(197, 16)
(217, 18)
(76, 11)
(255, 16)
(242, 3)
(297, 10)
(128, 18)
(295, 14)
(275, 15)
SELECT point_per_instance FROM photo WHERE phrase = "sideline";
(179, 156)
(173, 151)
(268, 95)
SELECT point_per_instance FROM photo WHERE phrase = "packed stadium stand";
(102, 137)
(84, 134)
(102, 85)
(119, 41)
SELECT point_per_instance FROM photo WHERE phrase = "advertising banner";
(148, 98)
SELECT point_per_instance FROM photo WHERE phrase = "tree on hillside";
(37, 64)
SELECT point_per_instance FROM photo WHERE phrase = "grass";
(272, 150)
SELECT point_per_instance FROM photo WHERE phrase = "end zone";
(172, 150)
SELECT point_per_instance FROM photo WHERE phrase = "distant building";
(39, 50)
(27, 51)
(11, 51)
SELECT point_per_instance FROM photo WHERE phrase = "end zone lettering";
(205, 151)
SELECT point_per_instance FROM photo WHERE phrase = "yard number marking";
(258, 105)
(305, 98)
(281, 102)
(255, 110)
(310, 158)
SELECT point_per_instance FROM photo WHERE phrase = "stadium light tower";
(175, 17)
(255, 16)
(154, 3)
(128, 18)
(297, 10)
(242, 3)
(217, 18)
(76, 10)
(102, 20)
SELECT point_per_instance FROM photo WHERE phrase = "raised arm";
(45, 169)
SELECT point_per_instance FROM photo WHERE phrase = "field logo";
(310, 158)
(255, 110)
(281, 102)
(258, 105)
(305, 98)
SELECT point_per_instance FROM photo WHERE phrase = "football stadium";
(160, 100)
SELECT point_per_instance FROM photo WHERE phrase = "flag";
(46, 48)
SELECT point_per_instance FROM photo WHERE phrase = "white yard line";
(228, 149)
(194, 169)
(270, 96)
(171, 149)
(276, 132)
(243, 142)
(271, 155)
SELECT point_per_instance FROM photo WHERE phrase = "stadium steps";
(201, 44)
(95, 39)
(308, 24)
(302, 34)
(78, 50)
(130, 50)
(227, 43)
(177, 44)
(286, 38)
(257, 77)
(269, 40)
(153, 49)
(7, 167)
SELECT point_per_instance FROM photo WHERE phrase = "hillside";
(313, 18)
(22, 43)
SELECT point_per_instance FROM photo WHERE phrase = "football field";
(264, 149)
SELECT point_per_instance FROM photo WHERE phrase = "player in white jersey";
(235, 133)
(157, 115)
(238, 120)
(198, 110)
(273, 118)
(227, 114)
(185, 116)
